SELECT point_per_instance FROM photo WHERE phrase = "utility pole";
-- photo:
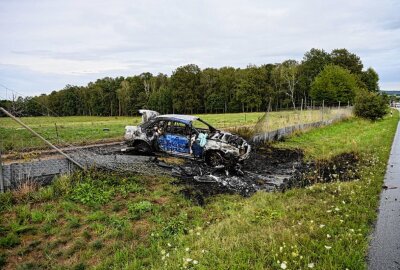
(43, 139)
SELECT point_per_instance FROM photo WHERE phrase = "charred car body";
(185, 136)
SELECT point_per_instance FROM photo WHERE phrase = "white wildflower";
(310, 265)
(189, 259)
(328, 236)
(283, 265)
(187, 249)
(328, 247)
(321, 226)
(195, 262)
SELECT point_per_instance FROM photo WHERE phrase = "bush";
(370, 106)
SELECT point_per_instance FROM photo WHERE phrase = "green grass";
(138, 222)
(89, 129)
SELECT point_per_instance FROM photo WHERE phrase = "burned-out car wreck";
(185, 136)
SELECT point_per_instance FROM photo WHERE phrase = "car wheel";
(142, 148)
(214, 159)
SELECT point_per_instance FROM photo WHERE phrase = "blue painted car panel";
(174, 143)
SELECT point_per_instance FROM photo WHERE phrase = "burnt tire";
(142, 148)
(214, 159)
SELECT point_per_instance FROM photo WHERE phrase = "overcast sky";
(45, 45)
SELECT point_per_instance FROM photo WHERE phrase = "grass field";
(89, 129)
(106, 221)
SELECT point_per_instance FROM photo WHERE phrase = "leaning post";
(43, 139)
(1, 175)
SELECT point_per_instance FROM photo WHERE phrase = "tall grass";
(276, 120)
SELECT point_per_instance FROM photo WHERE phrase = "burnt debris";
(267, 169)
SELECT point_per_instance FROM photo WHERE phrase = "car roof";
(182, 117)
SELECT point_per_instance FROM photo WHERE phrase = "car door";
(175, 139)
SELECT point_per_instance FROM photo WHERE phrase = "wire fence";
(277, 120)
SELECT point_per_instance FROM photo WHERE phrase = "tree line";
(319, 77)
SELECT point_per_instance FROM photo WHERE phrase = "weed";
(25, 189)
(23, 213)
(138, 209)
(117, 223)
(9, 146)
(97, 216)
(97, 245)
(30, 266)
(31, 247)
(11, 240)
(78, 245)
(98, 228)
(86, 235)
(174, 227)
(73, 222)
(22, 229)
(50, 216)
(6, 201)
(80, 266)
(44, 194)
(90, 194)
(117, 206)
(131, 187)
(61, 185)
(37, 216)
(3, 260)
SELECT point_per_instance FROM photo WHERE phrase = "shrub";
(370, 105)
